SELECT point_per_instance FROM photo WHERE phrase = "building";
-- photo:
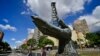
(81, 26)
(37, 34)
(1, 35)
(74, 35)
(30, 35)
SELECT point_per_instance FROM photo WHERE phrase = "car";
(9, 51)
(18, 51)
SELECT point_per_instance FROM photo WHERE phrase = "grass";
(82, 52)
(86, 52)
(89, 53)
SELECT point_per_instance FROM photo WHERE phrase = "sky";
(16, 23)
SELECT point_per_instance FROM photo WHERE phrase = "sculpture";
(62, 33)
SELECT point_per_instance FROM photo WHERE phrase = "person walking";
(43, 52)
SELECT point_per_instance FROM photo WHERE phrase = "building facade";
(37, 35)
(1, 35)
(81, 26)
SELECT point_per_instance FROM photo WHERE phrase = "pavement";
(20, 54)
(16, 54)
(38, 52)
(13, 54)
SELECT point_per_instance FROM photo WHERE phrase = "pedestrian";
(30, 54)
(43, 52)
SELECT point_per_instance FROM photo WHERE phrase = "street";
(20, 54)
(13, 54)
(34, 53)
(17, 54)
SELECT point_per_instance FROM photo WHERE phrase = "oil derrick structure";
(55, 19)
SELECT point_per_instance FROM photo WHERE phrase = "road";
(21, 54)
(16, 54)
(34, 53)
(13, 54)
(52, 53)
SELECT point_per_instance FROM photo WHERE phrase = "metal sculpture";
(59, 30)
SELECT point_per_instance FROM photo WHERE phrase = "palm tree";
(24, 46)
(31, 43)
(43, 41)
(4, 46)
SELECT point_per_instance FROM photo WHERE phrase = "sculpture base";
(69, 50)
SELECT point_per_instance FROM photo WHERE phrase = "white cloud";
(5, 20)
(13, 47)
(18, 42)
(8, 27)
(24, 40)
(70, 26)
(96, 12)
(30, 33)
(43, 7)
(24, 1)
(13, 39)
(25, 12)
(30, 30)
(93, 20)
(88, 1)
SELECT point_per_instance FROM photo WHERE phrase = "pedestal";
(69, 50)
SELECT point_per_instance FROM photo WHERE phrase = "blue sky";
(15, 16)
(11, 11)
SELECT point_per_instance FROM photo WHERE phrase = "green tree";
(24, 46)
(93, 38)
(40, 42)
(5, 46)
(48, 41)
(44, 41)
(31, 42)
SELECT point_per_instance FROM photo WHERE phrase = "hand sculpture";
(62, 33)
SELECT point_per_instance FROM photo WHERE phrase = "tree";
(40, 42)
(24, 46)
(98, 33)
(31, 42)
(48, 41)
(93, 38)
(5, 46)
(44, 41)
